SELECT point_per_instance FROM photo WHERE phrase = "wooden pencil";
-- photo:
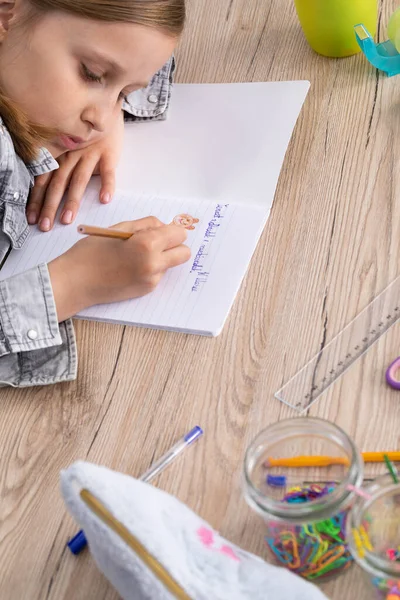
(104, 232)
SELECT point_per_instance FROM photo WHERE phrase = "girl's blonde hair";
(165, 15)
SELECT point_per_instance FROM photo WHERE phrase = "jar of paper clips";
(300, 475)
(374, 536)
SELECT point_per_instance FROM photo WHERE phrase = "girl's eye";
(89, 75)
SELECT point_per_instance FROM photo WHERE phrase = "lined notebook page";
(195, 297)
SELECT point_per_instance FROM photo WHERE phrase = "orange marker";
(306, 461)
(327, 461)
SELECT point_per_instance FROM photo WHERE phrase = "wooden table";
(330, 245)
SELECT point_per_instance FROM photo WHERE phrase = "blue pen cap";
(77, 543)
(276, 480)
(193, 434)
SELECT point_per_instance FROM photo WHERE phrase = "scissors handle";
(391, 372)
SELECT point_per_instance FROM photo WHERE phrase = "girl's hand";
(76, 168)
(100, 270)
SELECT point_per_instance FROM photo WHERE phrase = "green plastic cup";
(329, 24)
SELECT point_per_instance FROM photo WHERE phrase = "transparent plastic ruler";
(342, 352)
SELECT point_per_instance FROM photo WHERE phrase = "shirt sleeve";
(151, 103)
(34, 348)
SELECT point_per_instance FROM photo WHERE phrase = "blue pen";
(78, 542)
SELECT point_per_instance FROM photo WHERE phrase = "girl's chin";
(55, 150)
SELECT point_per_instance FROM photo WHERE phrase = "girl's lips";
(70, 142)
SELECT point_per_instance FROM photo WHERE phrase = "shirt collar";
(44, 163)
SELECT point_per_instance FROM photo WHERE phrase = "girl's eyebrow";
(114, 66)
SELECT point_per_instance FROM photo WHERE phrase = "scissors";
(391, 372)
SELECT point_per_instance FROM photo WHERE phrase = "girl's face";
(72, 73)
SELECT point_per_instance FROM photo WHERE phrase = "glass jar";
(373, 533)
(304, 506)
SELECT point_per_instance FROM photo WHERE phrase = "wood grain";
(330, 245)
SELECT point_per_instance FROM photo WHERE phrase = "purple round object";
(391, 373)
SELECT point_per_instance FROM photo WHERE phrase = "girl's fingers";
(161, 239)
(169, 237)
(36, 197)
(175, 256)
(77, 185)
(139, 224)
(55, 192)
(107, 175)
(154, 236)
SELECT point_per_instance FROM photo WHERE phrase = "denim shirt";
(34, 348)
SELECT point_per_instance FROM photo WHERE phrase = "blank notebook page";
(220, 141)
(195, 297)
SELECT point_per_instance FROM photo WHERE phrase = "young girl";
(69, 70)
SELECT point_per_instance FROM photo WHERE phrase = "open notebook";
(217, 158)
(194, 297)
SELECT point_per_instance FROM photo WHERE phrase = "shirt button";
(32, 334)
(153, 99)
(16, 195)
